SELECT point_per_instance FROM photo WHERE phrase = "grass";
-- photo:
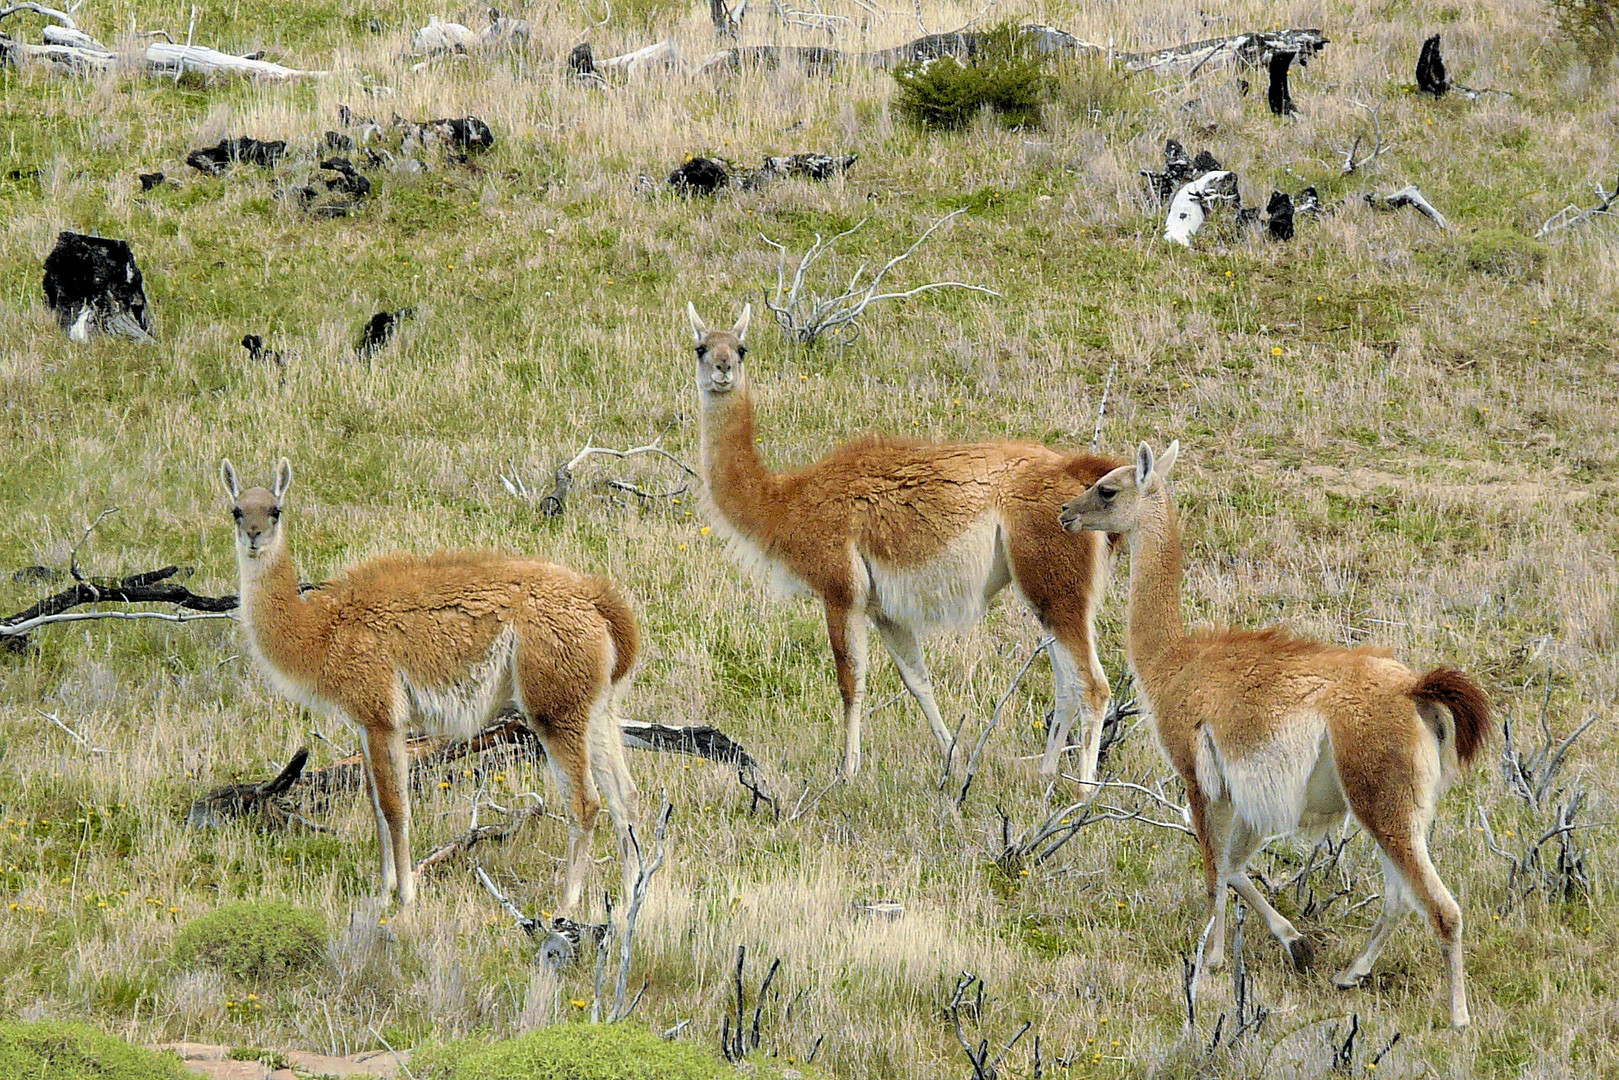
(1390, 436)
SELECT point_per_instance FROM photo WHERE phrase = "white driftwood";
(69, 47)
(1411, 195)
(663, 53)
(1186, 209)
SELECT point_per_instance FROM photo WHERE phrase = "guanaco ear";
(283, 478)
(227, 475)
(1167, 462)
(741, 327)
(698, 330)
(1144, 463)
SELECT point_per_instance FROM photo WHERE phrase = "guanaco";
(910, 537)
(1273, 734)
(452, 638)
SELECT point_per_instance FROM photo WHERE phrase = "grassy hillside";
(1390, 436)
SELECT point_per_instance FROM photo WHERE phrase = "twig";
(554, 503)
(73, 556)
(1410, 195)
(1570, 216)
(1379, 148)
(807, 318)
(995, 718)
(643, 878)
(80, 739)
(1101, 408)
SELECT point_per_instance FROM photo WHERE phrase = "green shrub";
(1005, 76)
(1594, 26)
(1502, 253)
(254, 940)
(571, 1052)
(1091, 87)
(67, 1051)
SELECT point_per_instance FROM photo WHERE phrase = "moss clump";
(1004, 75)
(571, 1052)
(1502, 253)
(254, 940)
(68, 1051)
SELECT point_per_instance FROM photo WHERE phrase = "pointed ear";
(1167, 462)
(227, 475)
(283, 478)
(1144, 463)
(741, 327)
(698, 330)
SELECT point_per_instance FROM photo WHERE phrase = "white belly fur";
(1285, 785)
(948, 591)
(466, 705)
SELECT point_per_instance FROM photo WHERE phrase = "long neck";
(1155, 582)
(286, 628)
(738, 481)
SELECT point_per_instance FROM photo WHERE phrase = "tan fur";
(910, 537)
(1273, 733)
(452, 638)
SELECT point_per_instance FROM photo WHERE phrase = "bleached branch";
(808, 317)
(1352, 161)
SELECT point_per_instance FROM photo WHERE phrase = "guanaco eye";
(275, 513)
(702, 352)
(236, 512)
(741, 352)
(1107, 493)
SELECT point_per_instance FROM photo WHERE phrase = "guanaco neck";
(284, 626)
(739, 484)
(1155, 583)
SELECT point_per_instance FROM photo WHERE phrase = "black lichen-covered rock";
(1279, 212)
(700, 176)
(582, 62)
(464, 134)
(150, 180)
(93, 284)
(218, 158)
(1431, 75)
(380, 329)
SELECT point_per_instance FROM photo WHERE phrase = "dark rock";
(1280, 99)
(700, 176)
(216, 159)
(150, 180)
(92, 283)
(336, 140)
(582, 62)
(379, 330)
(1279, 211)
(1431, 75)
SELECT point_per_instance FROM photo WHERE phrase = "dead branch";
(554, 503)
(807, 317)
(1410, 195)
(1572, 216)
(70, 48)
(149, 587)
(477, 834)
(983, 1067)
(994, 719)
(80, 739)
(429, 754)
(643, 879)
(1352, 158)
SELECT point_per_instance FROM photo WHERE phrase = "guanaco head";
(1113, 504)
(257, 510)
(719, 353)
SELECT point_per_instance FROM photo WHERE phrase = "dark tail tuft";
(621, 624)
(1467, 704)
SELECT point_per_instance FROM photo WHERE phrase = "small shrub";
(1090, 88)
(69, 1051)
(1594, 26)
(1502, 253)
(571, 1052)
(254, 940)
(1005, 76)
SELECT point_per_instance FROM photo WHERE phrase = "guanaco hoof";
(1301, 951)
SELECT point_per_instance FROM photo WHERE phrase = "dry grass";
(1380, 445)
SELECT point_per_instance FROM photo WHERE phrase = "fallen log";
(427, 754)
(68, 47)
(152, 587)
(1252, 49)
